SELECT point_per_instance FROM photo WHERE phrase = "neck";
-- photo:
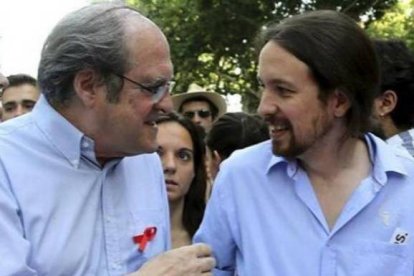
(179, 235)
(335, 153)
(84, 120)
(389, 128)
(335, 170)
(176, 214)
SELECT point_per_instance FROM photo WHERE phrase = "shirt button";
(85, 144)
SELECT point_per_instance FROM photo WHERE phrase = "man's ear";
(216, 157)
(86, 84)
(340, 103)
(387, 102)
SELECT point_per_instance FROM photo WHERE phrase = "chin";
(173, 198)
(287, 152)
(148, 147)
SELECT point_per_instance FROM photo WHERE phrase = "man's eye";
(29, 105)
(9, 108)
(160, 151)
(283, 91)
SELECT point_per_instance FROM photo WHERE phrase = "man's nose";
(18, 111)
(165, 104)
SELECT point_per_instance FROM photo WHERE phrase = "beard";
(295, 145)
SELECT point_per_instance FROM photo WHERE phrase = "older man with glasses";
(201, 106)
(81, 190)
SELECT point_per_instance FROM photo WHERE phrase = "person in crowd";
(4, 82)
(393, 112)
(233, 131)
(82, 190)
(200, 106)
(323, 196)
(181, 149)
(20, 96)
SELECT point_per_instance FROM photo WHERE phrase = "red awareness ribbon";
(143, 239)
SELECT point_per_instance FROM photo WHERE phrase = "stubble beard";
(321, 125)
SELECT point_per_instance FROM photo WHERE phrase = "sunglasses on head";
(201, 113)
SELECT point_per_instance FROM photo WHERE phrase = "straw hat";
(196, 91)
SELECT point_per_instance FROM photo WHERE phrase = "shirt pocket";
(375, 259)
(142, 220)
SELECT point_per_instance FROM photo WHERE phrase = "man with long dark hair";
(324, 196)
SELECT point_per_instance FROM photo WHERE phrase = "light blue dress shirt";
(63, 214)
(264, 219)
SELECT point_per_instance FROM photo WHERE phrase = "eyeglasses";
(157, 91)
(201, 113)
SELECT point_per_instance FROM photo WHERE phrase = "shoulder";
(243, 167)
(145, 167)
(258, 155)
(18, 134)
(16, 125)
(147, 163)
(390, 159)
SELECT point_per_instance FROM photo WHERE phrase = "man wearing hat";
(201, 106)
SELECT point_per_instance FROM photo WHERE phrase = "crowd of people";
(105, 171)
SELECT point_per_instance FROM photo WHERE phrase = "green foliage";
(212, 41)
(396, 23)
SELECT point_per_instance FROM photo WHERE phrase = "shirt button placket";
(110, 230)
(328, 262)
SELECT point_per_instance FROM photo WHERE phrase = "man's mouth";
(277, 130)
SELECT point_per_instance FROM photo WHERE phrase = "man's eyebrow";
(10, 103)
(28, 101)
(277, 81)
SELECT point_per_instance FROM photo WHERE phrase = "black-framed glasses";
(157, 91)
(203, 113)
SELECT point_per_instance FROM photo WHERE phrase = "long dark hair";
(194, 200)
(339, 54)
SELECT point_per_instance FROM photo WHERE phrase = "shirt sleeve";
(14, 248)
(217, 230)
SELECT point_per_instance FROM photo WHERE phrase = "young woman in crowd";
(182, 151)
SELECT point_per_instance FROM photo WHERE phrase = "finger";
(202, 250)
(207, 264)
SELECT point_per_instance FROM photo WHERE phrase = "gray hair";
(90, 38)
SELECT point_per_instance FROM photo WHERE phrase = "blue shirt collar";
(64, 136)
(382, 156)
